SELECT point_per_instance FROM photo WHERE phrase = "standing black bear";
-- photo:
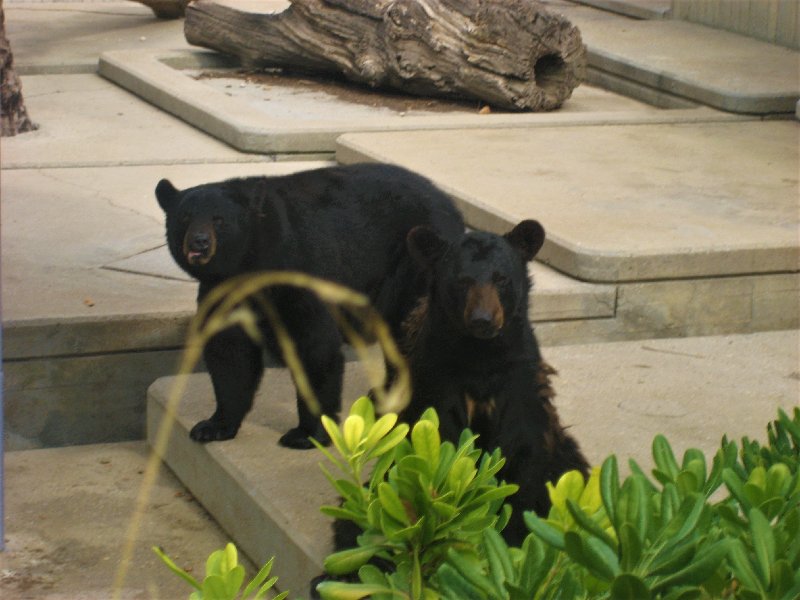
(345, 224)
(473, 356)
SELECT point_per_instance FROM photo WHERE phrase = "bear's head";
(481, 281)
(207, 230)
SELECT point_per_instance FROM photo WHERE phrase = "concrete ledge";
(54, 337)
(266, 497)
(694, 206)
(158, 77)
(720, 69)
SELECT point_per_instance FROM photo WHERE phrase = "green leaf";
(337, 590)
(633, 505)
(176, 569)
(664, 457)
(497, 555)
(778, 476)
(233, 580)
(470, 569)
(390, 440)
(390, 502)
(629, 587)
(609, 487)
(672, 558)
(364, 408)
(426, 441)
(214, 588)
(378, 430)
(630, 547)
(214, 562)
(699, 569)
(352, 429)
(544, 531)
(763, 544)
(332, 429)
(461, 475)
(260, 577)
(742, 567)
(347, 561)
(598, 558)
(586, 522)
(454, 585)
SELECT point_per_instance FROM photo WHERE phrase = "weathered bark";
(166, 9)
(512, 54)
(13, 116)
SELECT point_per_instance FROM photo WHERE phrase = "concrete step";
(615, 397)
(709, 66)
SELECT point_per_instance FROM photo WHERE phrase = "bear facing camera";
(347, 224)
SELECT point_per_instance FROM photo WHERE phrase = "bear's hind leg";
(236, 365)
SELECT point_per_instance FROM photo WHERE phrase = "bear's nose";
(200, 242)
(481, 325)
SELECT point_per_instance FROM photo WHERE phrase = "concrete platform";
(637, 9)
(704, 200)
(287, 119)
(717, 68)
(66, 513)
(615, 397)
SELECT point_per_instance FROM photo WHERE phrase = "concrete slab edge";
(254, 522)
(629, 9)
(703, 93)
(25, 339)
(155, 76)
(589, 265)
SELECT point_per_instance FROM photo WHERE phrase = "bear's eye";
(499, 279)
(218, 222)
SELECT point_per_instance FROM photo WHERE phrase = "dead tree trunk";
(13, 116)
(512, 54)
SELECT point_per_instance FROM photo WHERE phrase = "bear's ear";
(167, 194)
(526, 238)
(425, 246)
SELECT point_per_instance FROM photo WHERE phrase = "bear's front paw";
(298, 438)
(212, 431)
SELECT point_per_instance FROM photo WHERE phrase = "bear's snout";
(483, 314)
(199, 244)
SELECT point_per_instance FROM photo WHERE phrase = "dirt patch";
(345, 91)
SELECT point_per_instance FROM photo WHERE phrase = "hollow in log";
(512, 55)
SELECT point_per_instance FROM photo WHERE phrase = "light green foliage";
(432, 512)
(224, 577)
(659, 537)
(422, 499)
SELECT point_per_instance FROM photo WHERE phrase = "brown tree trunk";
(13, 116)
(512, 54)
(166, 9)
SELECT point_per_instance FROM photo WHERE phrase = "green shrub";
(660, 537)
(432, 512)
(224, 577)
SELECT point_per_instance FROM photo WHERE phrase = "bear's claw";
(298, 438)
(212, 431)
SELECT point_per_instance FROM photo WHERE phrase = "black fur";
(346, 224)
(474, 357)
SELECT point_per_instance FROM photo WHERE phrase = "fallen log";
(510, 54)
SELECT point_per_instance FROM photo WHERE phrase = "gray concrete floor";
(67, 513)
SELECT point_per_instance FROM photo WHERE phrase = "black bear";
(347, 224)
(474, 357)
